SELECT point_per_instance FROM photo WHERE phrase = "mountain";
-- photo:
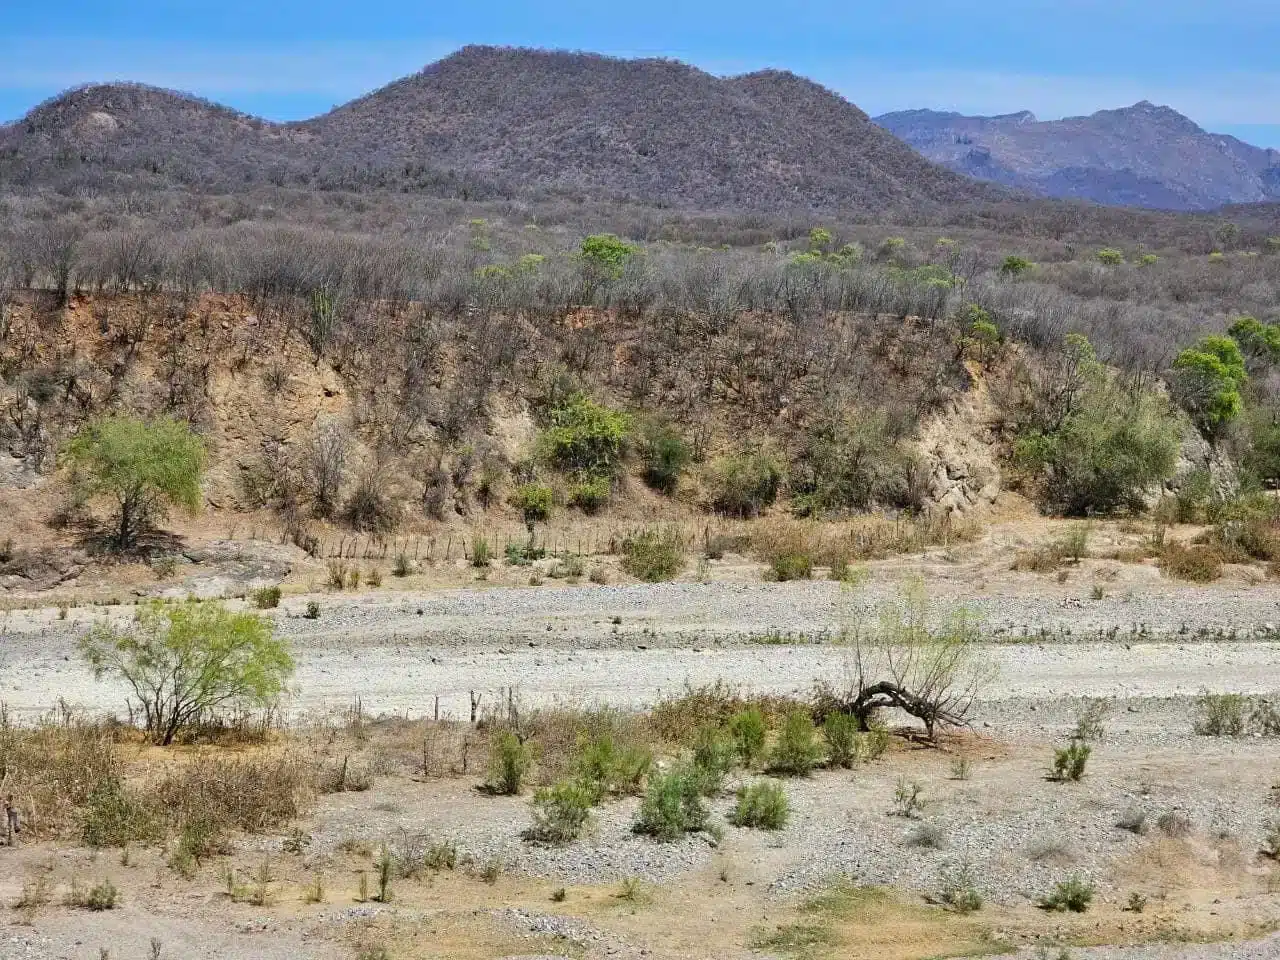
(1142, 155)
(513, 121)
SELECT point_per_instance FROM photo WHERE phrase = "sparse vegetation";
(762, 805)
(1073, 894)
(654, 555)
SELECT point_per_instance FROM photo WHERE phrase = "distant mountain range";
(511, 122)
(1144, 155)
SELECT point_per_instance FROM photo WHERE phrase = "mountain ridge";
(510, 121)
(1144, 154)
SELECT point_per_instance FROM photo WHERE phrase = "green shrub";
(874, 742)
(1015, 266)
(743, 485)
(908, 799)
(762, 805)
(850, 464)
(606, 253)
(1110, 257)
(534, 501)
(102, 896)
(1102, 451)
(749, 730)
(480, 556)
(510, 760)
(1069, 761)
(654, 555)
(672, 806)
(1207, 380)
(266, 598)
(313, 610)
(584, 438)
(1074, 894)
(560, 812)
(591, 495)
(796, 751)
(843, 742)
(714, 754)
(115, 816)
(790, 566)
(959, 888)
(603, 767)
(1198, 563)
(664, 455)
(1220, 715)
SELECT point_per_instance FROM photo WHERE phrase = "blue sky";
(284, 59)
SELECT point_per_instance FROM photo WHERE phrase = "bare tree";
(325, 467)
(931, 672)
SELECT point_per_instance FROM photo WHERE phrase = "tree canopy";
(144, 466)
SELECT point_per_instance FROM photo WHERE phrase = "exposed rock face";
(958, 454)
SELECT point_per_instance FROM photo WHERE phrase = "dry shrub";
(251, 794)
(678, 719)
(879, 537)
(1198, 563)
(561, 733)
(788, 547)
(54, 767)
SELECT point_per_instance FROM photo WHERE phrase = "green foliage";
(820, 240)
(560, 812)
(1109, 256)
(266, 598)
(510, 761)
(144, 466)
(534, 501)
(762, 805)
(714, 755)
(749, 730)
(796, 751)
(603, 767)
(1207, 379)
(654, 555)
(115, 816)
(1261, 455)
(591, 495)
(1069, 761)
(672, 806)
(959, 888)
(664, 455)
(1074, 894)
(185, 662)
(1148, 260)
(1015, 266)
(850, 463)
(584, 438)
(843, 743)
(606, 252)
(1220, 715)
(790, 566)
(743, 485)
(1106, 449)
(1259, 342)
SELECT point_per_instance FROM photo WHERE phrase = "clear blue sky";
(1218, 62)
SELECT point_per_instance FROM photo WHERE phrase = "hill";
(1144, 155)
(509, 122)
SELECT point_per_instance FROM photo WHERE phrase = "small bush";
(672, 806)
(843, 743)
(664, 455)
(590, 496)
(585, 438)
(743, 485)
(796, 751)
(762, 806)
(313, 610)
(1174, 824)
(1135, 821)
(908, 799)
(790, 566)
(266, 598)
(1073, 894)
(654, 555)
(401, 566)
(1220, 715)
(749, 730)
(1198, 563)
(1069, 761)
(560, 812)
(958, 888)
(510, 761)
(875, 742)
(102, 896)
(534, 501)
(480, 556)
(714, 753)
(928, 835)
(604, 767)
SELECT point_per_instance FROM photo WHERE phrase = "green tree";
(665, 454)
(1110, 257)
(1259, 342)
(1015, 266)
(820, 240)
(186, 662)
(1207, 380)
(606, 252)
(144, 466)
